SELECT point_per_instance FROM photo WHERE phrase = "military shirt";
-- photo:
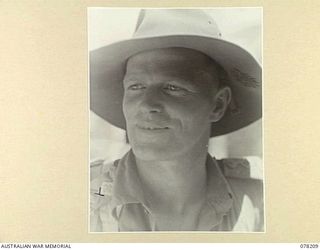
(234, 198)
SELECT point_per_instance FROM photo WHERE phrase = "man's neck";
(177, 183)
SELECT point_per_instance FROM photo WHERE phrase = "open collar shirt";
(119, 202)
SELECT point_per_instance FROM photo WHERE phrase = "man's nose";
(151, 101)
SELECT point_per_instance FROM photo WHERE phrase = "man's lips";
(148, 126)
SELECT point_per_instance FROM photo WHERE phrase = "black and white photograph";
(159, 124)
(176, 119)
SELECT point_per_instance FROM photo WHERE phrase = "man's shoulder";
(101, 183)
(245, 177)
(102, 173)
(248, 168)
(246, 171)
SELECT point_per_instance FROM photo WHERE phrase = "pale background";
(44, 125)
(239, 25)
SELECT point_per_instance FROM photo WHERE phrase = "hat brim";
(108, 64)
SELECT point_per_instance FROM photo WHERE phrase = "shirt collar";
(127, 187)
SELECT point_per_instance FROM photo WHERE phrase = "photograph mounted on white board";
(176, 120)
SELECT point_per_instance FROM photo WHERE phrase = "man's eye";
(136, 86)
(171, 87)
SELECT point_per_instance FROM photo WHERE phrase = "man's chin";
(153, 153)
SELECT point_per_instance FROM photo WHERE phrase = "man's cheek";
(127, 107)
(129, 104)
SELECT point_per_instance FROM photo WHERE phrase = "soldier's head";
(170, 85)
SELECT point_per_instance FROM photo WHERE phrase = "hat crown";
(166, 22)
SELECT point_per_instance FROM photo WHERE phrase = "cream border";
(44, 127)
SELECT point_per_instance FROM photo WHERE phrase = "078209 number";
(309, 245)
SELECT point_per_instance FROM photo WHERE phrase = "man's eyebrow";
(189, 85)
(130, 79)
(181, 81)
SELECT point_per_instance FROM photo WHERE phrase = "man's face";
(167, 102)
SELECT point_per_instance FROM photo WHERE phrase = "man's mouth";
(151, 127)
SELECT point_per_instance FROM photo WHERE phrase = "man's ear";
(221, 101)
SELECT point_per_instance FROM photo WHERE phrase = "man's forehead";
(180, 63)
(172, 64)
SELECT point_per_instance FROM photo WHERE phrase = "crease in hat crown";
(187, 28)
(151, 23)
